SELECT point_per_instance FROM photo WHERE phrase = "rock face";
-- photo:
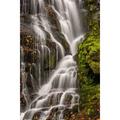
(35, 60)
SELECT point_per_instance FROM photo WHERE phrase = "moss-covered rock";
(92, 6)
(89, 54)
(88, 60)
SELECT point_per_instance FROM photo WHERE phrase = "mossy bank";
(88, 60)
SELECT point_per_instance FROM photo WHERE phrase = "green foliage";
(88, 59)
(89, 101)
(89, 53)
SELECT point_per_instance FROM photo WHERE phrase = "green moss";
(88, 59)
(89, 102)
(89, 53)
(52, 61)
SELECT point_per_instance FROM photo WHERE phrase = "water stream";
(56, 90)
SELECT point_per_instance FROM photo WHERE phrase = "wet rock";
(23, 102)
(52, 114)
(67, 113)
(75, 108)
(52, 57)
(31, 56)
(36, 116)
(52, 17)
(35, 71)
(61, 38)
(27, 41)
(26, 7)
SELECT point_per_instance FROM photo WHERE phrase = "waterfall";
(55, 90)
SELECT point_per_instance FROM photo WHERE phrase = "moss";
(89, 53)
(92, 6)
(89, 101)
(52, 60)
(88, 60)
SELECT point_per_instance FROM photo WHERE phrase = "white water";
(59, 90)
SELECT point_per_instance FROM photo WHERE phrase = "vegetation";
(88, 59)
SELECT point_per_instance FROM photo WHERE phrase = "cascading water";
(55, 90)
